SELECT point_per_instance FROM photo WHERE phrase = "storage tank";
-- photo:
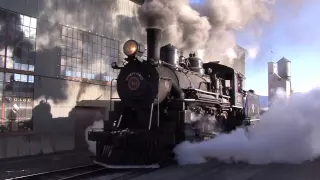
(272, 79)
(284, 68)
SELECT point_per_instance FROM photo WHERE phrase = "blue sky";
(296, 38)
(294, 35)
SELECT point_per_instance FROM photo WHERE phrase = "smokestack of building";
(153, 43)
(279, 76)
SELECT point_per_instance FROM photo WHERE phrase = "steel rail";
(61, 172)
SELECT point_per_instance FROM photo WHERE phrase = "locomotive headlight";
(132, 47)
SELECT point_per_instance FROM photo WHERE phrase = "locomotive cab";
(231, 82)
(222, 77)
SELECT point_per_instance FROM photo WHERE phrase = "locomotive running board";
(151, 166)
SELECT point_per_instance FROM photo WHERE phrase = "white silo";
(279, 76)
(273, 79)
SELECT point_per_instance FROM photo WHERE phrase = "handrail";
(111, 88)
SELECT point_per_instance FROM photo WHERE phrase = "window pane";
(64, 31)
(87, 55)
(33, 23)
(33, 33)
(2, 60)
(26, 20)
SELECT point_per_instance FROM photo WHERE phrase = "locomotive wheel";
(222, 121)
(190, 133)
(228, 122)
(232, 122)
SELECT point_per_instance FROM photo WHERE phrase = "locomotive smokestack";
(153, 43)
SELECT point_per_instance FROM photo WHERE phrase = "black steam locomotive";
(168, 99)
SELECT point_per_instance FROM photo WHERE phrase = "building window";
(19, 47)
(86, 55)
(17, 59)
(17, 101)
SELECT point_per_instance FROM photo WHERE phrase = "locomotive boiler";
(168, 99)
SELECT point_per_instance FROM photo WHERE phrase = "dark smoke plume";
(182, 25)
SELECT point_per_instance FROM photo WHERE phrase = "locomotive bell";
(133, 48)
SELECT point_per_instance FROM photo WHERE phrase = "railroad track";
(85, 172)
(79, 172)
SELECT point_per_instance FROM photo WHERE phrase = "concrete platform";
(10, 168)
(221, 171)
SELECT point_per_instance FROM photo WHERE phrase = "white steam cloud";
(287, 133)
(212, 25)
(253, 52)
(97, 126)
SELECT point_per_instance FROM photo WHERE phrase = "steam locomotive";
(168, 99)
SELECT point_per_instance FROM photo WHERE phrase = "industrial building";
(54, 54)
(279, 76)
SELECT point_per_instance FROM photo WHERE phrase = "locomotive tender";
(168, 99)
